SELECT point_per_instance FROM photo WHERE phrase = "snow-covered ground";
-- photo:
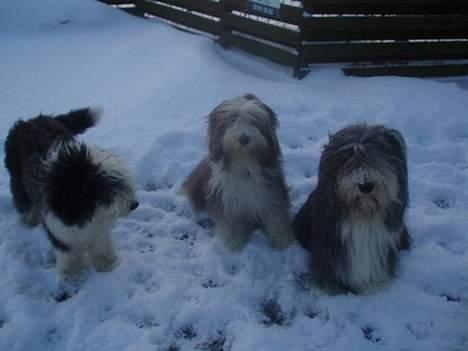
(177, 288)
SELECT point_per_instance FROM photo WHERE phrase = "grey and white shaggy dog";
(76, 191)
(240, 184)
(352, 223)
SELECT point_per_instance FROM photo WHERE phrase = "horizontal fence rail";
(386, 7)
(385, 28)
(363, 37)
(183, 16)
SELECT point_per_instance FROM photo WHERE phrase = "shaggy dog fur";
(352, 223)
(240, 184)
(76, 191)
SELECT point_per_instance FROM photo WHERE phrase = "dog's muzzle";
(366, 188)
(244, 140)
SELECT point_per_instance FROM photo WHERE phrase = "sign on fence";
(269, 8)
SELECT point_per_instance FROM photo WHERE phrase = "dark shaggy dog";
(76, 191)
(352, 223)
(240, 184)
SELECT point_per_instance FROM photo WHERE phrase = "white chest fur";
(80, 237)
(367, 243)
(242, 190)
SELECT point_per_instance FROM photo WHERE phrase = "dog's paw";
(30, 219)
(235, 245)
(69, 265)
(282, 242)
(105, 263)
(70, 272)
(233, 239)
(281, 245)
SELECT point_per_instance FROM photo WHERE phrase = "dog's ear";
(398, 138)
(270, 155)
(271, 114)
(398, 151)
(216, 152)
(265, 158)
(215, 137)
(215, 147)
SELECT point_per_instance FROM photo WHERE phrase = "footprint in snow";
(272, 313)
(215, 344)
(442, 203)
(420, 330)
(187, 332)
(370, 334)
(211, 284)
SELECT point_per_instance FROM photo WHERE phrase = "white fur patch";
(367, 243)
(243, 190)
(80, 238)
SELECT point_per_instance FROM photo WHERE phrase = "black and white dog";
(241, 184)
(75, 190)
(352, 223)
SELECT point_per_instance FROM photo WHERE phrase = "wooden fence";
(364, 37)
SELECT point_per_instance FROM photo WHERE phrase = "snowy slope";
(177, 288)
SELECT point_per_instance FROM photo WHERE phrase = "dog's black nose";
(366, 187)
(134, 205)
(244, 139)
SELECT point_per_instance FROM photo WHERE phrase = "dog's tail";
(77, 121)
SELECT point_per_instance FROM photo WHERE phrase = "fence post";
(222, 25)
(299, 73)
(137, 10)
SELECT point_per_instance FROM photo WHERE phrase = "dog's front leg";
(234, 233)
(69, 263)
(102, 252)
(32, 217)
(277, 227)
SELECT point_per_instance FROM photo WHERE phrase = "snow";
(177, 288)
